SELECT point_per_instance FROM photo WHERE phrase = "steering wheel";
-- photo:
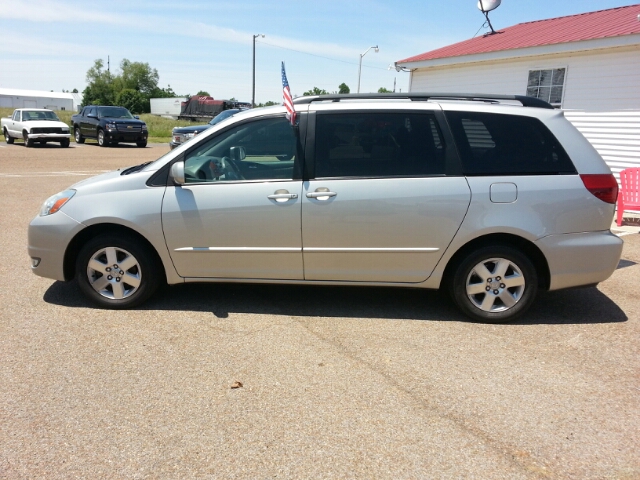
(231, 169)
(224, 166)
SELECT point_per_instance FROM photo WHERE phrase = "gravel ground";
(242, 381)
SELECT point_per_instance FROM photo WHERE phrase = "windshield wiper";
(134, 169)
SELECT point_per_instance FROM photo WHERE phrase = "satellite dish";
(485, 7)
(488, 5)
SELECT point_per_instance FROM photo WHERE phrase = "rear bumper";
(581, 259)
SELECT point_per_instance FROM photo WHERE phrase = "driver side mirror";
(237, 154)
(177, 173)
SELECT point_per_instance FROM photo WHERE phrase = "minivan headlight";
(55, 202)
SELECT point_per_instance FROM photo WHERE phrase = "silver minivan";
(489, 197)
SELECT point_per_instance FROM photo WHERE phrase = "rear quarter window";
(497, 144)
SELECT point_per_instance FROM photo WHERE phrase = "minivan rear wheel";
(494, 284)
(116, 272)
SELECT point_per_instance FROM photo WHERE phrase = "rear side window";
(378, 144)
(495, 144)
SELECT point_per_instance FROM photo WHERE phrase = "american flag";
(288, 101)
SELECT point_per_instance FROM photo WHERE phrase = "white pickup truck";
(35, 125)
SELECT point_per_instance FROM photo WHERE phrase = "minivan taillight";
(604, 186)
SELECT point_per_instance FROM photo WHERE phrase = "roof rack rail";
(421, 96)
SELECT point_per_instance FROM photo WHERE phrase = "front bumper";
(49, 137)
(115, 136)
(580, 259)
(48, 238)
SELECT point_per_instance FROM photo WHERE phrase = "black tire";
(102, 139)
(77, 135)
(494, 284)
(141, 143)
(28, 142)
(64, 143)
(8, 138)
(117, 271)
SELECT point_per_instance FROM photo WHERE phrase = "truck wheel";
(27, 141)
(102, 140)
(64, 143)
(141, 143)
(8, 138)
(77, 135)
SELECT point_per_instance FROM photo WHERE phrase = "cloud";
(40, 47)
(48, 11)
(61, 12)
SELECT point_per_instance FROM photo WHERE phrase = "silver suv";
(489, 197)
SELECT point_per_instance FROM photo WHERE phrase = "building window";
(547, 85)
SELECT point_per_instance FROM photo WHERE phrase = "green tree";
(99, 86)
(267, 104)
(133, 100)
(344, 88)
(103, 88)
(138, 76)
(383, 90)
(203, 93)
(315, 91)
(164, 93)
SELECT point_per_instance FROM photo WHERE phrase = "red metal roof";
(613, 22)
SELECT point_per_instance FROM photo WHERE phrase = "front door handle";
(281, 196)
(321, 194)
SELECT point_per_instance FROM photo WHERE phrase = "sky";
(208, 45)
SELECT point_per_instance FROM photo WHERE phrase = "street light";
(376, 49)
(253, 85)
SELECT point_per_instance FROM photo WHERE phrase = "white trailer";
(167, 107)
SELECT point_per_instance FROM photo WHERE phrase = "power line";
(484, 25)
(319, 56)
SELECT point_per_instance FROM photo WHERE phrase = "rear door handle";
(321, 194)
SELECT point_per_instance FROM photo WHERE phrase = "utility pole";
(253, 84)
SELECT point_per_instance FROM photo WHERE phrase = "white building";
(587, 64)
(15, 98)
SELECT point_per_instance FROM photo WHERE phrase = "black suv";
(179, 135)
(109, 125)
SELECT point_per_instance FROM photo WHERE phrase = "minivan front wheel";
(116, 271)
(494, 284)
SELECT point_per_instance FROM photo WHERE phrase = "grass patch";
(159, 127)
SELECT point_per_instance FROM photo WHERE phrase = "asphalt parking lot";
(242, 381)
